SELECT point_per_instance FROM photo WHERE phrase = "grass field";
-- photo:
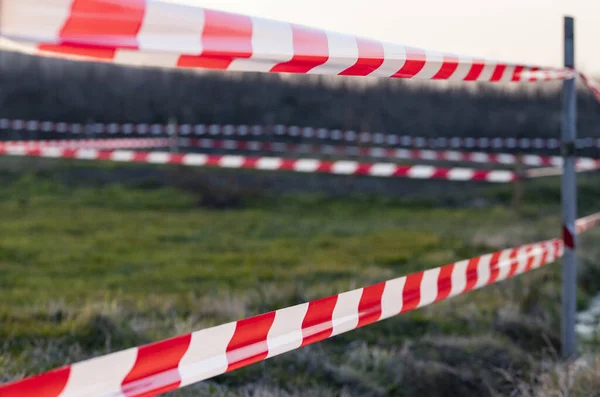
(86, 269)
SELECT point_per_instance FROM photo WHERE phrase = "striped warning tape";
(125, 143)
(585, 224)
(154, 33)
(304, 165)
(293, 131)
(531, 160)
(581, 166)
(174, 363)
(183, 36)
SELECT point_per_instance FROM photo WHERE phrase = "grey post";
(569, 198)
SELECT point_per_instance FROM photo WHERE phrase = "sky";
(523, 31)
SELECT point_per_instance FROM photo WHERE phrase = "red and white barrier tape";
(303, 165)
(582, 165)
(585, 224)
(555, 162)
(134, 143)
(30, 148)
(531, 160)
(156, 33)
(163, 366)
(292, 131)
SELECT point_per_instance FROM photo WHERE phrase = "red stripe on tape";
(95, 28)
(66, 153)
(177, 158)
(369, 307)
(475, 71)
(325, 166)
(533, 77)
(411, 295)
(448, 68)
(480, 175)
(514, 263)
(530, 258)
(402, 170)
(287, 164)
(441, 173)
(249, 342)
(472, 274)
(225, 37)
(49, 384)
(104, 155)
(517, 73)
(250, 162)
(544, 256)
(370, 58)
(311, 49)
(150, 377)
(317, 324)
(363, 169)
(558, 245)
(498, 73)
(415, 62)
(494, 267)
(140, 157)
(444, 282)
(213, 161)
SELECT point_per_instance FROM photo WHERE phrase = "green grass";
(87, 268)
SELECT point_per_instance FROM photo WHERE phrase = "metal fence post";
(569, 197)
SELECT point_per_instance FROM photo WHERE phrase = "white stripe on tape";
(421, 171)
(429, 286)
(506, 158)
(95, 377)
(86, 154)
(460, 174)
(231, 161)
(268, 163)
(453, 156)
(286, 332)
(483, 271)
(383, 169)
(344, 167)
(16, 150)
(159, 157)
(52, 152)
(195, 159)
(306, 165)
(459, 278)
(345, 314)
(479, 157)
(206, 355)
(392, 298)
(122, 155)
(499, 176)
